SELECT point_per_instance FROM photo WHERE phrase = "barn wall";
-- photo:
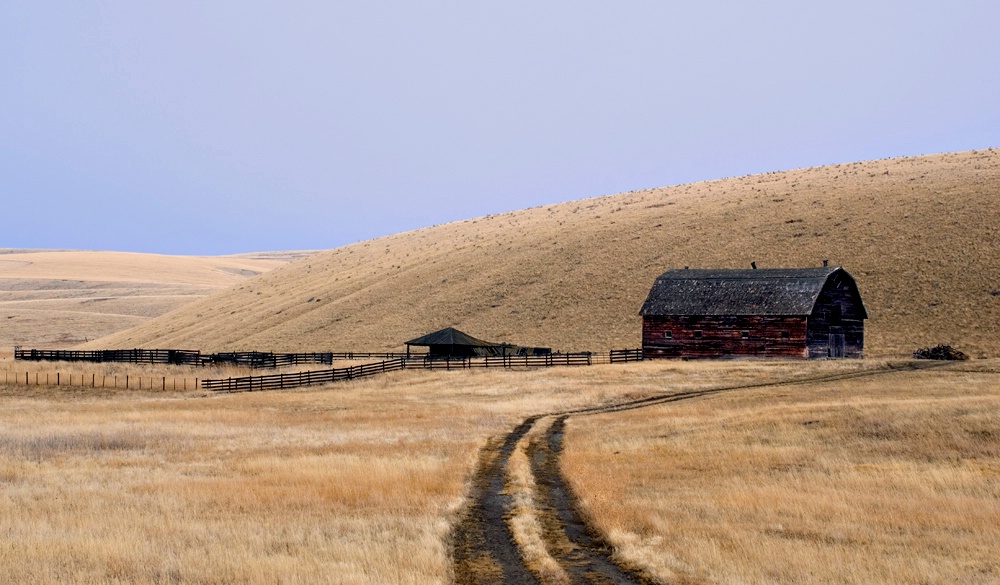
(722, 337)
(838, 311)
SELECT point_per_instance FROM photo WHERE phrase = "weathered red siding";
(723, 337)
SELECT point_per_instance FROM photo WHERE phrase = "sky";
(220, 127)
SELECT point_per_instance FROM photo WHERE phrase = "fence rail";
(299, 379)
(261, 359)
(132, 356)
(251, 359)
(625, 355)
(91, 380)
(392, 362)
(507, 361)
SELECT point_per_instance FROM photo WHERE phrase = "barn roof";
(449, 336)
(764, 291)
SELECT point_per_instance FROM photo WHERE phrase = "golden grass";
(354, 483)
(919, 234)
(888, 479)
(891, 478)
(65, 297)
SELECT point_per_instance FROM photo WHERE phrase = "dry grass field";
(355, 483)
(52, 298)
(887, 479)
(919, 234)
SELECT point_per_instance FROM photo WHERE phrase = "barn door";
(837, 344)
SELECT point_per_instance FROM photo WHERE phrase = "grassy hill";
(921, 236)
(59, 298)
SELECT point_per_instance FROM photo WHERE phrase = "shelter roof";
(763, 291)
(449, 336)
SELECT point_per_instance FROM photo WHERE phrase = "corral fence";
(261, 359)
(506, 361)
(295, 380)
(361, 355)
(298, 379)
(131, 356)
(184, 357)
(391, 362)
(625, 355)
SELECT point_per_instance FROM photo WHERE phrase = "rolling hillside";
(921, 236)
(58, 298)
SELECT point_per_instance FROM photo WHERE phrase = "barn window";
(837, 314)
(668, 335)
(786, 335)
(745, 334)
(697, 334)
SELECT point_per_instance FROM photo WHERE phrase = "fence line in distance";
(127, 382)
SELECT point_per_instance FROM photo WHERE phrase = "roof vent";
(826, 263)
(753, 265)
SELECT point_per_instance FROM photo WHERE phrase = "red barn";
(802, 313)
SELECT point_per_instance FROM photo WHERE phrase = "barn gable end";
(770, 313)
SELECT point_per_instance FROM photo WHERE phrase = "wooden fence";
(295, 380)
(262, 359)
(131, 356)
(250, 359)
(128, 382)
(298, 379)
(625, 355)
(393, 362)
(507, 361)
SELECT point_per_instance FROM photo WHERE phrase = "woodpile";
(939, 352)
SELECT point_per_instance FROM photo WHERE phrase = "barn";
(804, 313)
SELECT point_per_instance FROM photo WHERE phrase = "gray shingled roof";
(449, 336)
(764, 291)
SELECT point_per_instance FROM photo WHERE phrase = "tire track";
(581, 551)
(484, 549)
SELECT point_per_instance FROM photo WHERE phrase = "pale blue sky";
(222, 127)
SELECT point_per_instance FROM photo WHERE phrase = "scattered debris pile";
(939, 352)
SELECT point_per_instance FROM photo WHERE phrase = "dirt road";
(485, 550)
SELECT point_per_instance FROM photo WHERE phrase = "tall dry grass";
(361, 482)
(888, 479)
(353, 483)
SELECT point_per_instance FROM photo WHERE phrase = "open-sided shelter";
(778, 312)
(450, 342)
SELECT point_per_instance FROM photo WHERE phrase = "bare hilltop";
(60, 298)
(921, 235)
